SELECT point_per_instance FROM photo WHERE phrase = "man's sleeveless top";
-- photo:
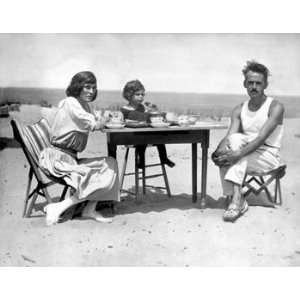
(253, 121)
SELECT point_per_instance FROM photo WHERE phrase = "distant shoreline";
(217, 105)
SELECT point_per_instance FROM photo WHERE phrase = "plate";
(160, 125)
(203, 124)
(136, 124)
(114, 126)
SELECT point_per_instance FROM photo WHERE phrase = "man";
(253, 140)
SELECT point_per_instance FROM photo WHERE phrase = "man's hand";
(227, 159)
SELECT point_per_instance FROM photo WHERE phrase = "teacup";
(114, 120)
(156, 119)
(171, 117)
(183, 120)
(192, 120)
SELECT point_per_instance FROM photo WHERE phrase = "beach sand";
(156, 230)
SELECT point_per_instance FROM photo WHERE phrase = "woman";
(92, 179)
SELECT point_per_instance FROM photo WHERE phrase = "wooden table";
(169, 135)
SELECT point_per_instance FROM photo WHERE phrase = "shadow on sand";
(8, 143)
(155, 200)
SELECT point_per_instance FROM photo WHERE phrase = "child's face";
(138, 97)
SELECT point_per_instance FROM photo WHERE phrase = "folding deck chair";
(33, 139)
(258, 182)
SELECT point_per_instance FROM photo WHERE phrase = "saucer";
(160, 124)
(115, 125)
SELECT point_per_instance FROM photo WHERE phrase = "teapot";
(171, 117)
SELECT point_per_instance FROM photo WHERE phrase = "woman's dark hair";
(131, 88)
(78, 81)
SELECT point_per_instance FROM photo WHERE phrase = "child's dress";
(139, 114)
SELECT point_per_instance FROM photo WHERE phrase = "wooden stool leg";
(27, 191)
(124, 168)
(144, 180)
(136, 175)
(166, 179)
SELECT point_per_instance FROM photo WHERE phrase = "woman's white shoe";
(52, 214)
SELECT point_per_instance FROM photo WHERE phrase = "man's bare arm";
(275, 118)
(235, 126)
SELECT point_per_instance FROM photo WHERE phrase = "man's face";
(255, 84)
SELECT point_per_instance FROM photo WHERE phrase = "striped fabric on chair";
(33, 139)
(36, 137)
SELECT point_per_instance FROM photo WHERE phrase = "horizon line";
(152, 91)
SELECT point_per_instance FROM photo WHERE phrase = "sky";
(201, 63)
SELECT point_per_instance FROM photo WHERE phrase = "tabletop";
(199, 126)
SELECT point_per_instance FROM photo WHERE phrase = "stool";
(140, 174)
(258, 178)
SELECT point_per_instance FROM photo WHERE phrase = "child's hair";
(131, 87)
(78, 81)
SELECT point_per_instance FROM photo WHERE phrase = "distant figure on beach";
(134, 93)
(253, 140)
(92, 179)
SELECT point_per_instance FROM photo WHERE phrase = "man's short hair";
(256, 67)
(131, 88)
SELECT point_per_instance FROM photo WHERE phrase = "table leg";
(194, 172)
(204, 146)
(112, 150)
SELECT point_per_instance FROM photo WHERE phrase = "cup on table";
(192, 120)
(183, 120)
(156, 119)
(171, 117)
(116, 117)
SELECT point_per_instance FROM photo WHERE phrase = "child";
(134, 93)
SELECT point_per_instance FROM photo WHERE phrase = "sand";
(156, 230)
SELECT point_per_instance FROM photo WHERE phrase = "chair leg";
(124, 168)
(30, 175)
(279, 191)
(166, 179)
(31, 203)
(266, 190)
(47, 196)
(62, 197)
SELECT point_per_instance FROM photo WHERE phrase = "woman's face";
(88, 92)
(138, 97)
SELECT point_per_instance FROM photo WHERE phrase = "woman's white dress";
(94, 179)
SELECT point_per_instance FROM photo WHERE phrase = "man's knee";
(236, 141)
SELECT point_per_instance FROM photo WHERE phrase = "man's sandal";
(234, 211)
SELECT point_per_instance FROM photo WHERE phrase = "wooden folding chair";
(262, 181)
(141, 175)
(33, 139)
